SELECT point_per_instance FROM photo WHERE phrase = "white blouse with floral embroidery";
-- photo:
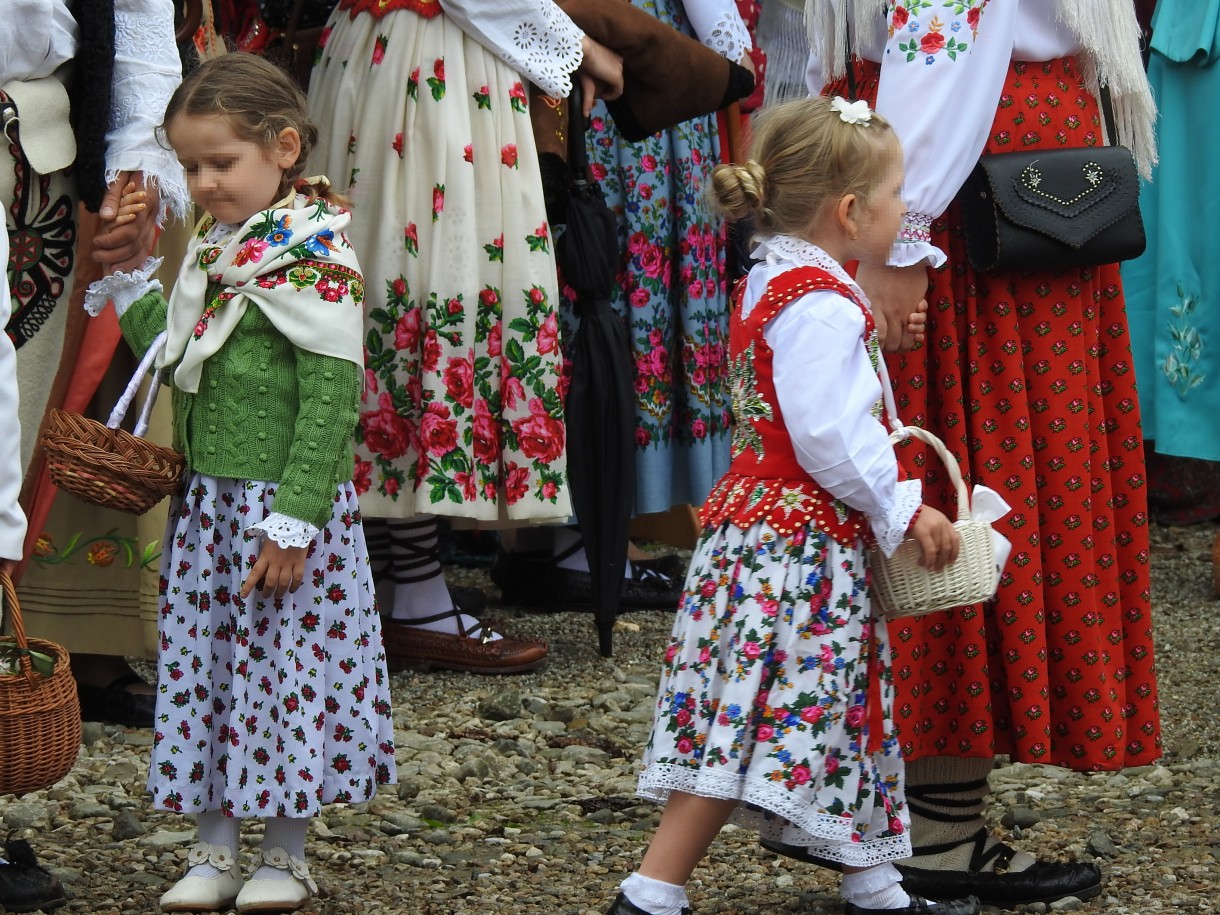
(943, 64)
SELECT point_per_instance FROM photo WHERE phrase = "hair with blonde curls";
(804, 156)
(259, 100)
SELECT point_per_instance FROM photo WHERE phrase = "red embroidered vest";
(765, 481)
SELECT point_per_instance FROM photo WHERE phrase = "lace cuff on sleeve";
(147, 69)
(122, 289)
(548, 52)
(729, 38)
(286, 530)
(892, 529)
(914, 244)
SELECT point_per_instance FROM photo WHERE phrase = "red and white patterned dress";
(1027, 377)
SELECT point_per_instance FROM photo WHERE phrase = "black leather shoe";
(1043, 881)
(26, 886)
(116, 704)
(921, 906)
(646, 589)
(624, 906)
(521, 577)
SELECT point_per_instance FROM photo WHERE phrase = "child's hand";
(917, 322)
(279, 570)
(937, 538)
(133, 202)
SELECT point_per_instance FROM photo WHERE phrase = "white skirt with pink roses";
(775, 677)
(266, 707)
(429, 133)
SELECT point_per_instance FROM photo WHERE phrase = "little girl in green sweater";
(272, 696)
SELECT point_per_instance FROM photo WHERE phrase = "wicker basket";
(904, 588)
(108, 466)
(39, 716)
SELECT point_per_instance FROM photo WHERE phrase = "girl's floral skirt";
(775, 678)
(266, 707)
(430, 135)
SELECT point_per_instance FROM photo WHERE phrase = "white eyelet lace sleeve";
(147, 70)
(890, 529)
(719, 26)
(123, 289)
(535, 37)
(286, 530)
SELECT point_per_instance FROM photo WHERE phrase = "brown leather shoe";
(413, 648)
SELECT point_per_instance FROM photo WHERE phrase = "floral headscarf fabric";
(293, 262)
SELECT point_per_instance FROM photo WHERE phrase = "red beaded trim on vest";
(378, 8)
(784, 496)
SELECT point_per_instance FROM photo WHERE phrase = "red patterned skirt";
(1028, 379)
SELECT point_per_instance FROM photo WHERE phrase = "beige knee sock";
(947, 796)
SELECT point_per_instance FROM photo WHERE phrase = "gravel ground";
(516, 794)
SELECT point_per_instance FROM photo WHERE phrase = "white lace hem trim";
(729, 38)
(121, 289)
(776, 249)
(891, 529)
(286, 530)
(548, 53)
(776, 813)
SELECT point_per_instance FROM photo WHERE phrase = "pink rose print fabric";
(463, 404)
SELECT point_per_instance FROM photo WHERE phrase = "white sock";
(878, 887)
(654, 896)
(215, 828)
(287, 833)
(419, 589)
(577, 560)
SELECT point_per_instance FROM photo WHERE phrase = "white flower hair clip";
(851, 112)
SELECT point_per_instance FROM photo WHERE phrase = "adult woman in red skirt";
(1027, 378)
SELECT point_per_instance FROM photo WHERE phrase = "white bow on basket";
(106, 465)
(902, 587)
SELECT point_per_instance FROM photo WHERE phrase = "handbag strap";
(1107, 112)
(133, 386)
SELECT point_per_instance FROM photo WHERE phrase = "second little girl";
(775, 703)
(273, 696)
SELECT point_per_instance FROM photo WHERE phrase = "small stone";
(24, 816)
(84, 810)
(1100, 844)
(127, 826)
(1020, 817)
(503, 706)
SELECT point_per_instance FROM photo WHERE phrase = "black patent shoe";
(25, 885)
(921, 906)
(645, 589)
(1043, 881)
(624, 906)
(116, 704)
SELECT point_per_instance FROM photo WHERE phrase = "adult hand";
(9, 566)
(600, 72)
(126, 246)
(279, 570)
(897, 294)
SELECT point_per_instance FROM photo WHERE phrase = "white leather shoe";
(205, 894)
(278, 895)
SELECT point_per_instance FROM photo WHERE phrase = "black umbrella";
(601, 397)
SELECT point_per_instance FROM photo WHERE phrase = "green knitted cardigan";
(266, 410)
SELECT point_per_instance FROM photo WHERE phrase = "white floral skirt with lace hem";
(775, 674)
(266, 707)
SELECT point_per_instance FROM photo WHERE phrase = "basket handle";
(950, 462)
(133, 386)
(12, 610)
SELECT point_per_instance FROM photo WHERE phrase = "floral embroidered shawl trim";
(291, 261)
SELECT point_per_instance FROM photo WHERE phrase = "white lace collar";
(788, 249)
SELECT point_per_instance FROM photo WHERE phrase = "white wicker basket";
(902, 587)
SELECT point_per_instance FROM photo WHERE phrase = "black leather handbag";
(1053, 209)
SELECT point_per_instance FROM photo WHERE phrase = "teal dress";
(1173, 290)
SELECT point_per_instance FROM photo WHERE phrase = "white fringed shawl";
(1107, 30)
